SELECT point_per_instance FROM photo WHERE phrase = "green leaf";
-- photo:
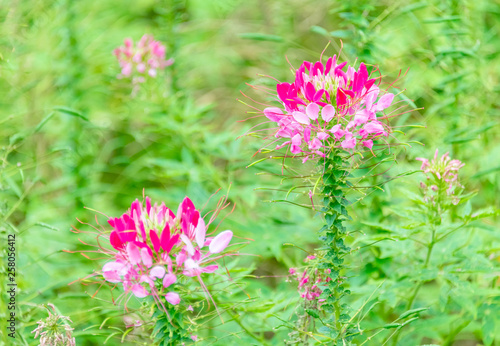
(313, 312)
(70, 111)
(319, 30)
(330, 219)
(486, 212)
(261, 37)
(341, 33)
(411, 312)
(324, 330)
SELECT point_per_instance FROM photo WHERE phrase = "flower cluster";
(442, 175)
(148, 56)
(54, 330)
(309, 282)
(153, 247)
(328, 107)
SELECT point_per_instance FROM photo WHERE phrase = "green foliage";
(71, 136)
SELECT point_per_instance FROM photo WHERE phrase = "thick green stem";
(333, 236)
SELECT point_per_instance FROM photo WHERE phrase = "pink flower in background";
(442, 176)
(329, 105)
(309, 282)
(153, 248)
(141, 60)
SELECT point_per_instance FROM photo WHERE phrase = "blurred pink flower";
(147, 56)
(443, 175)
(309, 280)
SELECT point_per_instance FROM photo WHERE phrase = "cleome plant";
(380, 253)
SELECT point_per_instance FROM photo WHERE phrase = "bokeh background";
(73, 137)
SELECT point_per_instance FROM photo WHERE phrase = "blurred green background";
(73, 137)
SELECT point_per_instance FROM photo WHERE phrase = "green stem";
(430, 247)
(237, 319)
(451, 337)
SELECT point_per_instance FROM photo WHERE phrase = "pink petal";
(112, 266)
(141, 67)
(310, 91)
(139, 291)
(115, 240)
(301, 117)
(200, 232)
(348, 143)
(133, 253)
(127, 236)
(189, 246)
(165, 237)
(297, 139)
(173, 298)
(169, 279)
(146, 258)
(307, 135)
(157, 272)
(155, 240)
(273, 113)
(327, 113)
(111, 276)
(210, 268)
(172, 242)
(315, 144)
(368, 143)
(148, 204)
(335, 128)
(323, 135)
(384, 102)
(220, 242)
(312, 111)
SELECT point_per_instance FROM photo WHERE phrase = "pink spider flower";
(329, 106)
(442, 176)
(309, 282)
(143, 59)
(154, 248)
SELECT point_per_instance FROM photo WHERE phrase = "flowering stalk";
(440, 193)
(329, 113)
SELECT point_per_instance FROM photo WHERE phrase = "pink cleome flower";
(442, 174)
(309, 282)
(147, 56)
(328, 107)
(153, 248)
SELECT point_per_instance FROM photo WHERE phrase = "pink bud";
(173, 298)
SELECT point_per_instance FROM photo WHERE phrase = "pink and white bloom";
(329, 107)
(141, 60)
(153, 249)
(442, 176)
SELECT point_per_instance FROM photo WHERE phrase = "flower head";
(141, 60)
(442, 177)
(54, 330)
(153, 248)
(309, 281)
(329, 105)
